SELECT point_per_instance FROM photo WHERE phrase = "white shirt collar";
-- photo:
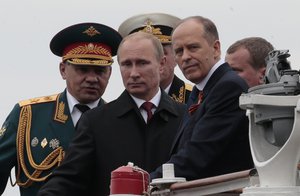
(72, 102)
(75, 113)
(155, 100)
(168, 88)
(202, 84)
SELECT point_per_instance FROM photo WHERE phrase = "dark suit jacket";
(179, 90)
(214, 140)
(111, 136)
(49, 126)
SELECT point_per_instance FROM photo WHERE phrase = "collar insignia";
(60, 112)
(2, 131)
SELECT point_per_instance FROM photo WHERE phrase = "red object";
(129, 180)
(148, 107)
(195, 106)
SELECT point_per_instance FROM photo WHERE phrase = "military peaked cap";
(159, 24)
(86, 43)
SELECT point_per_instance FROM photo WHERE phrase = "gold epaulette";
(188, 87)
(38, 100)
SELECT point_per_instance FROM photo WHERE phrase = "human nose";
(185, 55)
(92, 77)
(134, 72)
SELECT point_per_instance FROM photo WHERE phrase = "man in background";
(161, 25)
(247, 57)
(37, 132)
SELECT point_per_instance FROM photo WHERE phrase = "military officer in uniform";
(161, 25)
(37, 132)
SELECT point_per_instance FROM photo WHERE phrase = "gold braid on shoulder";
(23, 140)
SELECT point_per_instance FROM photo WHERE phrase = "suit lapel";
(209, 85)
(126, 104)
(215, 77)
(186, 118)
(166, 104)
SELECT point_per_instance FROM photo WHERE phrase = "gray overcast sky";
(29, 69)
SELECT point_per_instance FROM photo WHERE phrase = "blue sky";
(29, 69)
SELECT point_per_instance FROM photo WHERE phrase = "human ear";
(62, 70)
(163, 62)
(261, 76)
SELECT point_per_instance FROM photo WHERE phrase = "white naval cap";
(159, 24)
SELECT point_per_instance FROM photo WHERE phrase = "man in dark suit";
(37, 131)
(213, 138)
(161, 25)
(121, 131)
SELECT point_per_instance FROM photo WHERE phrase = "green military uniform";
(33, 138)
(180, 91)
(36, 133)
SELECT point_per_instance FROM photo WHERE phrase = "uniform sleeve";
(8, 157)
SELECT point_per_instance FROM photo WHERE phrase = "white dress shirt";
(75, 112)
